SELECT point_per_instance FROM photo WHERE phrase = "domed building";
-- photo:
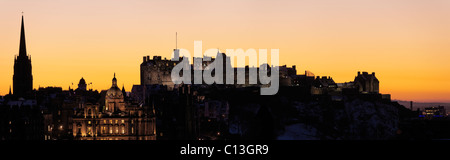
(114, 99)
(82, 85)
(116, 120)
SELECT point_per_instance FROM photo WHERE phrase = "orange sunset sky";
(406, 42)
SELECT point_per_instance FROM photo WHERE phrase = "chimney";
(373, 74)
(359, 73)
(148, 58)
(144, 59)
(411, 105)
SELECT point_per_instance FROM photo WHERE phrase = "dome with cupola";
(82, 84)
(82, 81)
(114, 91)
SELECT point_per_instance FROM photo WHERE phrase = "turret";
(114, 81)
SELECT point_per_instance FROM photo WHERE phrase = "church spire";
(23, 77)
(124, 93)
(10, 90)
(23, 47)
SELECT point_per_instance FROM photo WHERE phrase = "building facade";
(367, 83)
(116, 120)
(157, 71)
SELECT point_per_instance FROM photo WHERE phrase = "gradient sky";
(406, 42)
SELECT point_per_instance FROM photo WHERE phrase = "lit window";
(123, 121)
(110, 130)
(110, 121)
(104, 121)
(117, 121)
(132, 130)
(89, 122)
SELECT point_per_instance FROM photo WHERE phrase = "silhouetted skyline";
(242, 71)
(404, 42)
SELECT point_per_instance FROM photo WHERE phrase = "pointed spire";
(114, 81)
(23, 47)
(10, 90)
(124, 93)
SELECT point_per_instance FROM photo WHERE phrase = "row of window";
(116, 121)
(116, 129)
(112, 130)
(111, 121)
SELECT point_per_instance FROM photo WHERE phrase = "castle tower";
(22, 78)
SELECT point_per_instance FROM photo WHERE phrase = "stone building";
(434, 112)
(323, 85)
(367, 83)
(114, 99)
(157, 71)
(116, 120)
(21, 120)
(57, 113)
